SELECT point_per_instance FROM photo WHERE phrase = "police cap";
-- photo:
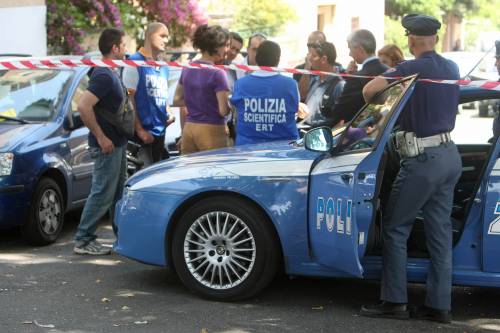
(497, 45)
(420, 25)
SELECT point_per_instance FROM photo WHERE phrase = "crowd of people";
(264, 106)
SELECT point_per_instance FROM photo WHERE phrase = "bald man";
(148, 90)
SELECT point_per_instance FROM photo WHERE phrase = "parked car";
(227, 220)
(45, 168)
(476, 66)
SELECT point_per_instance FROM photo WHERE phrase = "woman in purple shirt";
(205, 93)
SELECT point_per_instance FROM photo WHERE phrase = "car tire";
(229, 260)
(46, 215)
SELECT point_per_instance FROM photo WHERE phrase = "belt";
(434, 140)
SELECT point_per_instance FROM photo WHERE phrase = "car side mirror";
(74, 121)
(319, 139)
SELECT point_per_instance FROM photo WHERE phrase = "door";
(343, 185)
(80, 161)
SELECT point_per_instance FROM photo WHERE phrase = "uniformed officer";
(426, 179)
(496, 121)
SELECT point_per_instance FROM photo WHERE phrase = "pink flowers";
(69, 20)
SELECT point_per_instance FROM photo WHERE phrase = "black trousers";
(152, 152)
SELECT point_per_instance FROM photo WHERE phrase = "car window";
(32, 95)
(80, 89)
(367, 127)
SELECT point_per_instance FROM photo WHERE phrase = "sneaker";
(386, 309)
(93, 248)
(428, 313)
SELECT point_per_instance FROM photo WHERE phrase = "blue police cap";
(497, 45)
(420, 25)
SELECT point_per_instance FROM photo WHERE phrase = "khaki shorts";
(201, 137)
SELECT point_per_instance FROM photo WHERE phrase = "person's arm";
(179, 96)
(305, 80)
(86, 110)
(373, 87)
(171, 117)
(222, 101)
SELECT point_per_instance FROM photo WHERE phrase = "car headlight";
(6, 161)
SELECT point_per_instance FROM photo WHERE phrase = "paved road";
(52, 286)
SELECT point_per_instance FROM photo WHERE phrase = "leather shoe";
(386, 309)
(428, 313)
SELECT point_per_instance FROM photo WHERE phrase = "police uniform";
(496, 121)
(425, 182)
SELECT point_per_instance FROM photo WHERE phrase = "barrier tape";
(72, 63)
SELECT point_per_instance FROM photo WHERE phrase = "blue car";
(226, 221)
(45, 168)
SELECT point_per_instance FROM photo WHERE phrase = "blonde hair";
(393, 52)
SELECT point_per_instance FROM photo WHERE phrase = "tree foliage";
(68, 21)
(264, 16)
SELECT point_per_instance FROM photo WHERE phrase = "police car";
(227, 220)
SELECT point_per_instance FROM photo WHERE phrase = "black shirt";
(105, 84)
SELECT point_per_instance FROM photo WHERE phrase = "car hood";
(12, 134)
(277, 159)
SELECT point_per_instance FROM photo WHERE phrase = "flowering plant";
(68, 21)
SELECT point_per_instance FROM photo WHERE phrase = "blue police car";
(45, 168)
(227, 220)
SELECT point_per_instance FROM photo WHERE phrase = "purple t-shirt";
(200, 88)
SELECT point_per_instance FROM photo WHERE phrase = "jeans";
(426, 183)
(108, 179)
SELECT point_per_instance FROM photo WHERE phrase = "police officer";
(496, 122)
(426, 179)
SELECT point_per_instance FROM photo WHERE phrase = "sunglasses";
(316, 46)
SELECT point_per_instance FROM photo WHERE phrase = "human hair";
(365, 39)
(393, 52)
(152, 28)
(257, 34)
(109, 37)
(319, 33)
(268, 54)
(236, 37)
(209, 38)
(326, 49)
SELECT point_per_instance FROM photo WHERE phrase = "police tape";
(72, 63)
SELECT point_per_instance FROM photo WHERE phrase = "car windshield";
(366, 128)
(31, 95)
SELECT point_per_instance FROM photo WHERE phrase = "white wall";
(23, 30)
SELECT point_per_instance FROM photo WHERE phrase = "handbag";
(124, 119)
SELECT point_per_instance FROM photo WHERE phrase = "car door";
(80, 161)
(343, 184)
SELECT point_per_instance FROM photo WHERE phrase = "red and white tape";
(72, 63)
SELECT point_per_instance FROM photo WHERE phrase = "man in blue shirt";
(426, 179)
(265, 103)
(148, 89)
(107, 145)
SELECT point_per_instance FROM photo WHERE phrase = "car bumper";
(142, 219)
(14, 204)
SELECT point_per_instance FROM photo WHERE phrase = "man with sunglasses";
(323, 90)
(314, 38)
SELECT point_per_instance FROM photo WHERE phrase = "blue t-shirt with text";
(151, 97)
(266, 107)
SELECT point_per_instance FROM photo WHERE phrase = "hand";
(170, 121)
(106, 145)
(308, 64)
(352, 67)
(303, 111)
(145, 136)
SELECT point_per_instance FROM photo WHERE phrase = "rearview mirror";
(319, 139)
(73, 121)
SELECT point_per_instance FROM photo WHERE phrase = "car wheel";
(46, 216)
(224, 249)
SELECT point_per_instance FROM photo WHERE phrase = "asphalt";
(50, 289)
